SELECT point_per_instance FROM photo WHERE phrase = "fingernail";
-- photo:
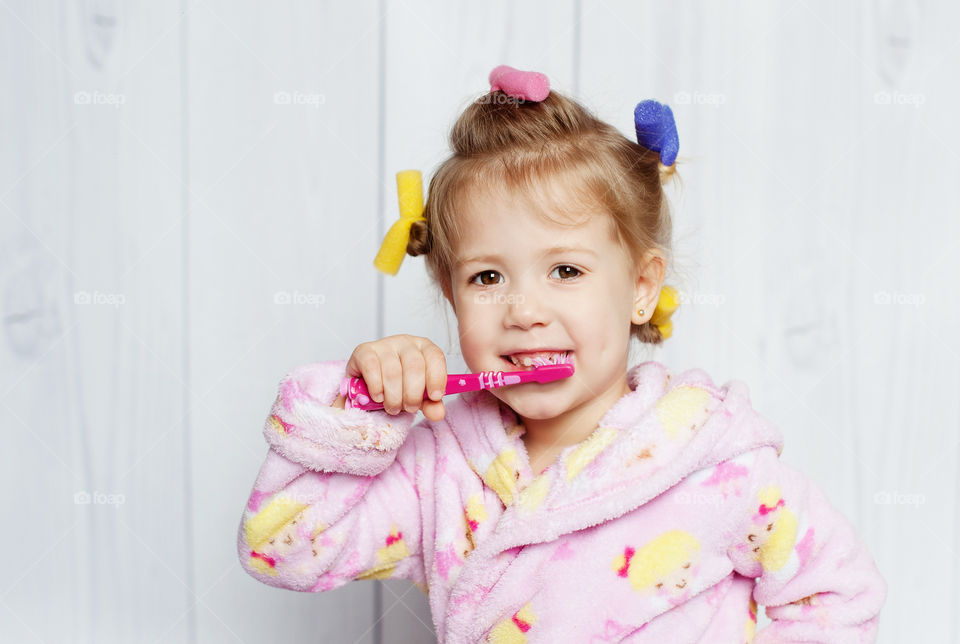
(436, 394)
(378, 397)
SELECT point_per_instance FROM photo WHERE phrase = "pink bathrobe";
(670, 523)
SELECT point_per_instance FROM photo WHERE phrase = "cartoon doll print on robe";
(671, 522)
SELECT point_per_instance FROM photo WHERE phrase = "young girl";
(615, 505)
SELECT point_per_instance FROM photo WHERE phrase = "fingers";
(436, 371)
(391, 370)
(398, 369)
(414, 369)
(365, 363)
(433, 410)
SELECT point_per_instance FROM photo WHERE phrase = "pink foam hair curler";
(527, 86)
(357, 396)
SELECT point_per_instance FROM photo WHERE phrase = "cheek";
(595, 325)
(476, 324)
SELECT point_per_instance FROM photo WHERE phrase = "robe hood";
(667, 427)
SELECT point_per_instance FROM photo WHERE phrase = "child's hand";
(397, 370)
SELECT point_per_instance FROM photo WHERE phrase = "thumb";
(433, 409)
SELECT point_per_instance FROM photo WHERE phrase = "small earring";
(640, 312)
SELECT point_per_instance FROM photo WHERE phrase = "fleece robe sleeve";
(336, 498)
(813, 574)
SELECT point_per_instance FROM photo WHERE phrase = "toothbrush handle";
(357, 396)
(460, 382)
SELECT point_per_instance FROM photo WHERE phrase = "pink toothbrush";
(356, 396)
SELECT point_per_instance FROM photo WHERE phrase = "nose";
(526, 308)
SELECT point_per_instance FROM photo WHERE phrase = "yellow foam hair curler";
(394, 246)
(666, 305)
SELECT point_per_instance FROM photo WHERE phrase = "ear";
(649, 281)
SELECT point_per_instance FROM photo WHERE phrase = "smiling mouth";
(528, 362)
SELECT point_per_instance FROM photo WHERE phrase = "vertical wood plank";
(92, 364)
(906, 239)
(283, 153)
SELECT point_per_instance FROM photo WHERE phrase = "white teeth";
(537, 359)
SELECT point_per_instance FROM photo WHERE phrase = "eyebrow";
(554, 250)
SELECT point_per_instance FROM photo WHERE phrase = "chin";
(533, 405)
(542, 415)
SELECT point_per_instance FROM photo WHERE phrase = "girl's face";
(524, 283)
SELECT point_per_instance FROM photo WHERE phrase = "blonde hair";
(503, 141)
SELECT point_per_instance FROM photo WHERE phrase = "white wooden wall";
(192, 193)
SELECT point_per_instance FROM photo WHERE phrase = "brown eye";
(482, 275)
(686, 565)
(569, 273)
(769, 527)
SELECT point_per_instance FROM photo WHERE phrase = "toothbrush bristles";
(560, 358)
